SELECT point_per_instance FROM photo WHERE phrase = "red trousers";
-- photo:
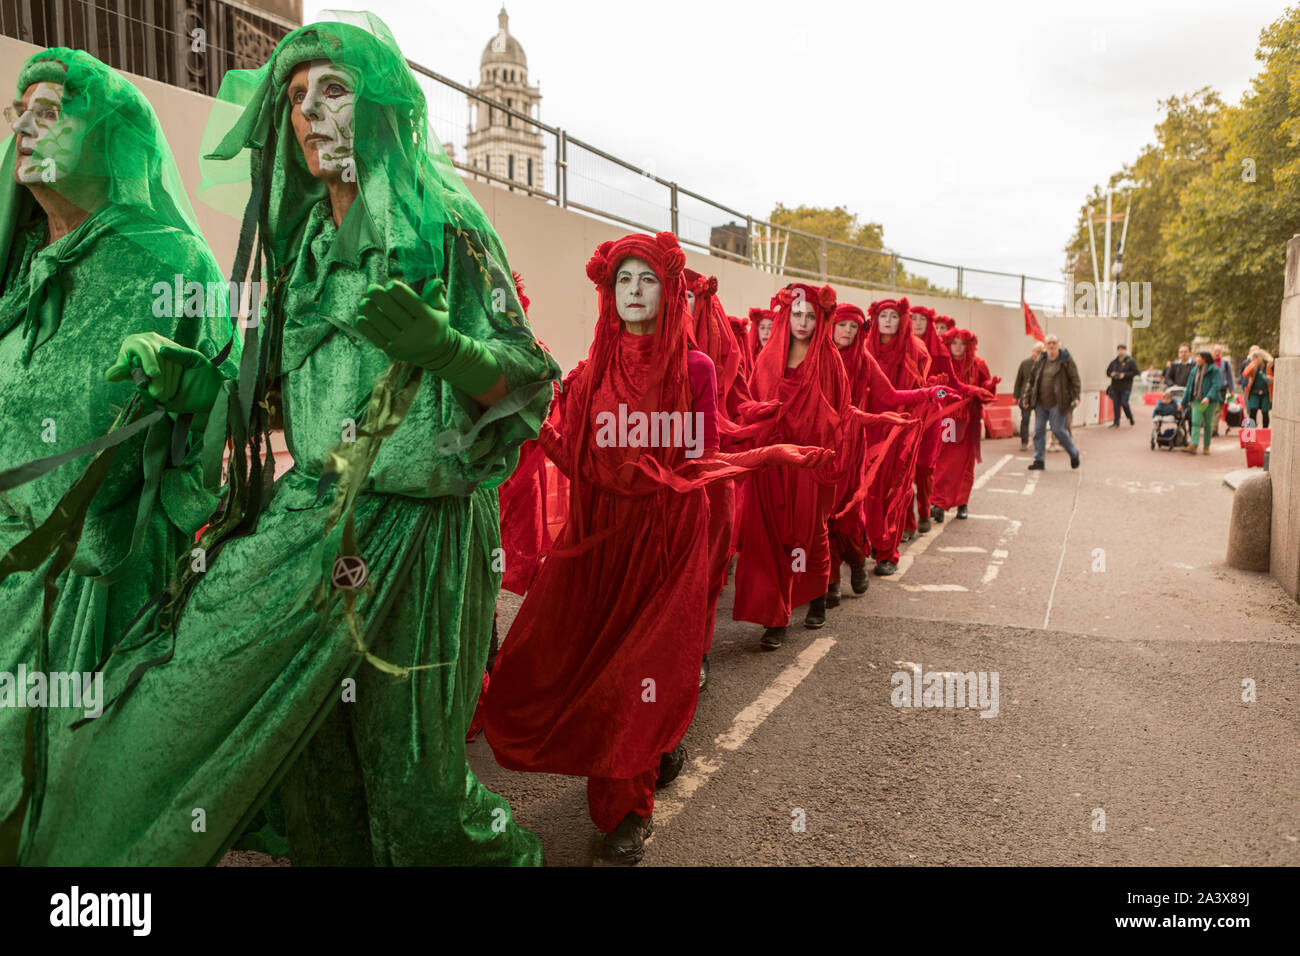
(609, 800)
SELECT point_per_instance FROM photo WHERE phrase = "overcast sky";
(972, 130)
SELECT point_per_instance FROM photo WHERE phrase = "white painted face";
(957, 348)
(918, 326)
(638, 293)
(690, 301)
(803, 320)
(888, 321)
(941, 327)
(764, 331)
(328, 106)
(49, 143)
(845, 332)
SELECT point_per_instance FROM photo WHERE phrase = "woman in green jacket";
(1257, 383)
(1202, 397)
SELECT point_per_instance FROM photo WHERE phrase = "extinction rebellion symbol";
(350, 572)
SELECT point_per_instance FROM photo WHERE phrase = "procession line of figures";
(198, 655)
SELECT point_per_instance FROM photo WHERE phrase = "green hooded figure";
(97, 240)
(333, 644)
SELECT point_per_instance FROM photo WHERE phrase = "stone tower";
(500, 143)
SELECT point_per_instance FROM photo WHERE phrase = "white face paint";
(328, 106)
(845, 332)
(48, 142)
(764, 331)
(918, 326)
(888, 322)
(803, 320)
(637, 294)
(690, 301)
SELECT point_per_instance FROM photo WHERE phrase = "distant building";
(504, 145)
(732, 238)
(187, 43)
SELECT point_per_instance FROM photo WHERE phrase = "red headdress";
(646, 373)
(711, 330)
(757, 316)
(855, 353)
(904, 359)
(519, 291)
(814, 396)
(969, 366)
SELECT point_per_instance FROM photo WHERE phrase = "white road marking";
(969, 550)
(990, 573)
(933, 588)
(1005, 491)
(746, 722)
(1031, 483)
(983, 479)
(1051, 597)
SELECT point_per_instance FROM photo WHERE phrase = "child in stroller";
(1169, 427)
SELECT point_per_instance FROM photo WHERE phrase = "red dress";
(955, 473)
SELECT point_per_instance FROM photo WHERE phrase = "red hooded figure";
(869, 451)
(906, 363)
(740, 329)
(621, 600)
(941, 373)
(784, 552)
(961, 439)
(756, 317)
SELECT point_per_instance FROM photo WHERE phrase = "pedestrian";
(1202, 397)
(1226, 384)
(1250, 354)
(1121, 372)
(1024, 401)
(1178, 371)
(1257, 384)
(942, 373)
(1055, 388)
(960, 452)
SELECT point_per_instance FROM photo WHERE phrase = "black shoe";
(816, 616)
(773, 638)
(1116, 425)
(858, 578)
(923, 526)
(704, 672)
(909, 534)
(1036, 465)
(1074, 462)
(962, 513)
(833, 594)
(670, 765)
(885, 568)
(1024, 446)
(626, 845)
(936, 513)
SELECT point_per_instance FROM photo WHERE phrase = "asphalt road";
(1121, 643)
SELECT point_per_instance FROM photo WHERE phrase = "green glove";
(414, 330)
(181, 380)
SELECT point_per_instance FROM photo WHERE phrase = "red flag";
(1031, 323)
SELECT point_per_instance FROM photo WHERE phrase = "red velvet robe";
(955, 473)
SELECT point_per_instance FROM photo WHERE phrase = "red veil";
(955, 472)
(621, 600)
(756, 316)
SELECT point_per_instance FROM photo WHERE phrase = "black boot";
(962, 512)
(704, 672)
(885, 568)
(936, 513)
(816, 616)
(670, 765)
(858, 578)
(833, 594)
(773, 638)
(626, 845)
(923, 526)
(909, 534)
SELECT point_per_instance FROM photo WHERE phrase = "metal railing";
(536, 159)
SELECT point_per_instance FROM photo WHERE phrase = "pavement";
(1147, 696)
(1123, 648)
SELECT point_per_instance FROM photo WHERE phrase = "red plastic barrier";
(1255, 441)
(1151, 398)
(997, 421)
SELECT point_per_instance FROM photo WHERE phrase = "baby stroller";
(1170, 425)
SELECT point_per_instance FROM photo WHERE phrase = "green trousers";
(1203, 419)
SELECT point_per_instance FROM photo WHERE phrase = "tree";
(868, 262)
(1184, 151)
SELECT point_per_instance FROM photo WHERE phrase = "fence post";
(1022, 290)
(562, 169)
(822, 258)
(959, 271)
(672, 191)
(893, 271)
(749, 239)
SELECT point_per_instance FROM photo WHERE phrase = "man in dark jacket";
(1121, 372)
(1055, 388)
(1177, 373)
(1024, 401)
